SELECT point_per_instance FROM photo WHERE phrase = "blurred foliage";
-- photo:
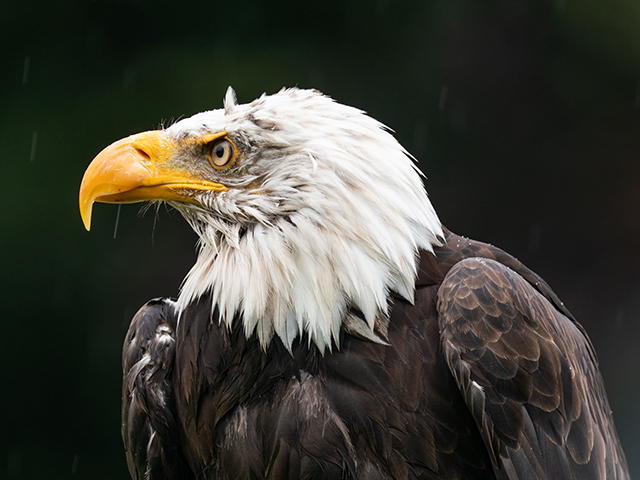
(523, 114)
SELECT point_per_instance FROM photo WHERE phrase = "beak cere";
(136, 169)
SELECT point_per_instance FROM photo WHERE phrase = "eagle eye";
(221, 153)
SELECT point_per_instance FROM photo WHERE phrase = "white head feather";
(326, 212)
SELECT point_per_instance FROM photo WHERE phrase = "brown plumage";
(330, 327)
(486, 375)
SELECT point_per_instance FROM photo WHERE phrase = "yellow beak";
(135, 169)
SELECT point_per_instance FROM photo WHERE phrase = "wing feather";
(149, 426)
(528, 374)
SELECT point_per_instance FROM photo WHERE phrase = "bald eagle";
(331, 327)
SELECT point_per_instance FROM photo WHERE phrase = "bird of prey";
(331, 327)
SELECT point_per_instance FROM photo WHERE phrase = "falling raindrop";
(34, 144)
(115, 230)
(74, 465)
(442, 102)
(25, 69)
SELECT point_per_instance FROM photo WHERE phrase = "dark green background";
(525, 115)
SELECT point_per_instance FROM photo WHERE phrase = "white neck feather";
(339, 228)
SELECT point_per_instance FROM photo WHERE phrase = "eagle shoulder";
(528, 374)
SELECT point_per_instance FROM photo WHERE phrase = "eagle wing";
(149, 427)
(529, 377)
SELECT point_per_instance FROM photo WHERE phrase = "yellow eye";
(221, 154)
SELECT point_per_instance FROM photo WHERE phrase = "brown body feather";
(485, 376)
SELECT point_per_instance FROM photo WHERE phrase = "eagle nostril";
(142, 153)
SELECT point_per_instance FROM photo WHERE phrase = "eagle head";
(305, 208)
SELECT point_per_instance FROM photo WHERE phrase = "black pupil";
(219, 151)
